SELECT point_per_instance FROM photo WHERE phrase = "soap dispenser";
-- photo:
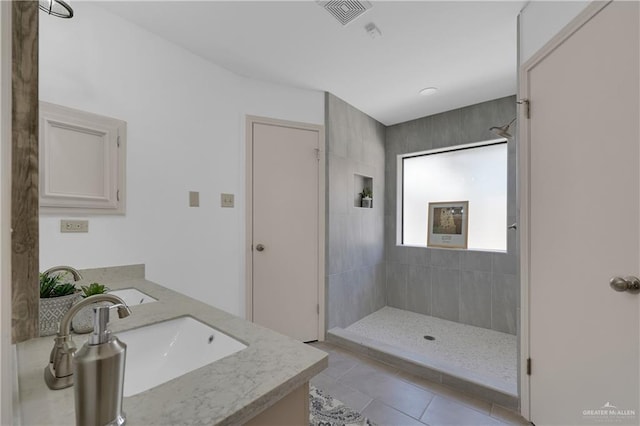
(99, 374)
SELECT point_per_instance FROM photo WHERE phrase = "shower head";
(503, 131)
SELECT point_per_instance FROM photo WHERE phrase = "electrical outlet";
(226, 200)
(74, 225)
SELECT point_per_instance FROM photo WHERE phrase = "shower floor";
(463, 352)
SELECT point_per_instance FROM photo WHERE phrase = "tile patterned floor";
(390, 397)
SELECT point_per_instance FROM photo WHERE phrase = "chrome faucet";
(76, 275)
(59, 373)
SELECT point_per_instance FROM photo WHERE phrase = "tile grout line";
(427, 407)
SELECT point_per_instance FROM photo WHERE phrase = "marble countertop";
(227, 392)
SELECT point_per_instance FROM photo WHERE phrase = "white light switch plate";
(226, 200)
(74, 225)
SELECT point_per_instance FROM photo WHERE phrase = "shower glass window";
(476, 173)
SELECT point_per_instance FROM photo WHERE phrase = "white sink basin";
(132, 296)
(163, 351)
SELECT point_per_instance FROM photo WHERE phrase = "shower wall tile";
(363, 291)
(355, 147)
(351, 236)
(397, 285)
(464, 300)
(339, 182)
(444, 258)
(445, 129)
(474, 121)
(415, 140)
(475, 298)
(374, 153)
(337, 243)
(475, 261)
(337, 125)
(357, 305)
(445, 292)
(390, 180)
(504, 263)
(337, 305)
(353, 254)
(380, 288)
(393, 252)
(418, 255)
(356, 250)
(392, 142)
(419, 289)
(477, 119)
(397, 134)
(373, 235)
(504, 303)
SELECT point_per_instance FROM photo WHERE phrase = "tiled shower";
(367, 270)
(478, 288)
(356, 276)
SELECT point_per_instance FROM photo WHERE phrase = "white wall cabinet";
(82, 162)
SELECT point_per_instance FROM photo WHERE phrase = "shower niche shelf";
(360, 182)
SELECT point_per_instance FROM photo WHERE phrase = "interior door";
(286, 228)
(584, 214)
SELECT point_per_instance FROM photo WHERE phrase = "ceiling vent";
(345, 11)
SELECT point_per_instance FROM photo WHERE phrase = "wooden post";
(24, 183)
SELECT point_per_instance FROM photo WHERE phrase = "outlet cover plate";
(67, 225)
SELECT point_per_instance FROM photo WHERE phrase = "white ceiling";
(466, 49)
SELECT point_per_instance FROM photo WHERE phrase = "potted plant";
(366, 198)
(56, 298)
(83, 321)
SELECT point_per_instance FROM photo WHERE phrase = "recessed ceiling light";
(428, 91)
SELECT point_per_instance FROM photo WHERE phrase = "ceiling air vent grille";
(345, 11)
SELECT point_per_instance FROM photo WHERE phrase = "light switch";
(74, 225)
(194, 199)
(226, 200)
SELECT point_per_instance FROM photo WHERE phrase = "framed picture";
(447, 224)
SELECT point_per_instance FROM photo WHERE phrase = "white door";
(286, 231)
(584, 222)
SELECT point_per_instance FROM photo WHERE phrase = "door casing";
(250, 120)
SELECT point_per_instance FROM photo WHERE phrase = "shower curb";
(455, 378)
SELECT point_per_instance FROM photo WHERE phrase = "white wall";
(6, 375)
(185, 120)
(541, 20)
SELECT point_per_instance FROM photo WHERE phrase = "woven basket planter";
(52, 309)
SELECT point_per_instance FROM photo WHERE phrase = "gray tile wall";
(471, 287)
(355, 236)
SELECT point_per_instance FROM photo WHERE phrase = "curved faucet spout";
(76, 275)
(59, 373)
(65, 324)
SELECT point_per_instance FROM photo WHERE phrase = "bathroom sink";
(163, 351)
(132, 296)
